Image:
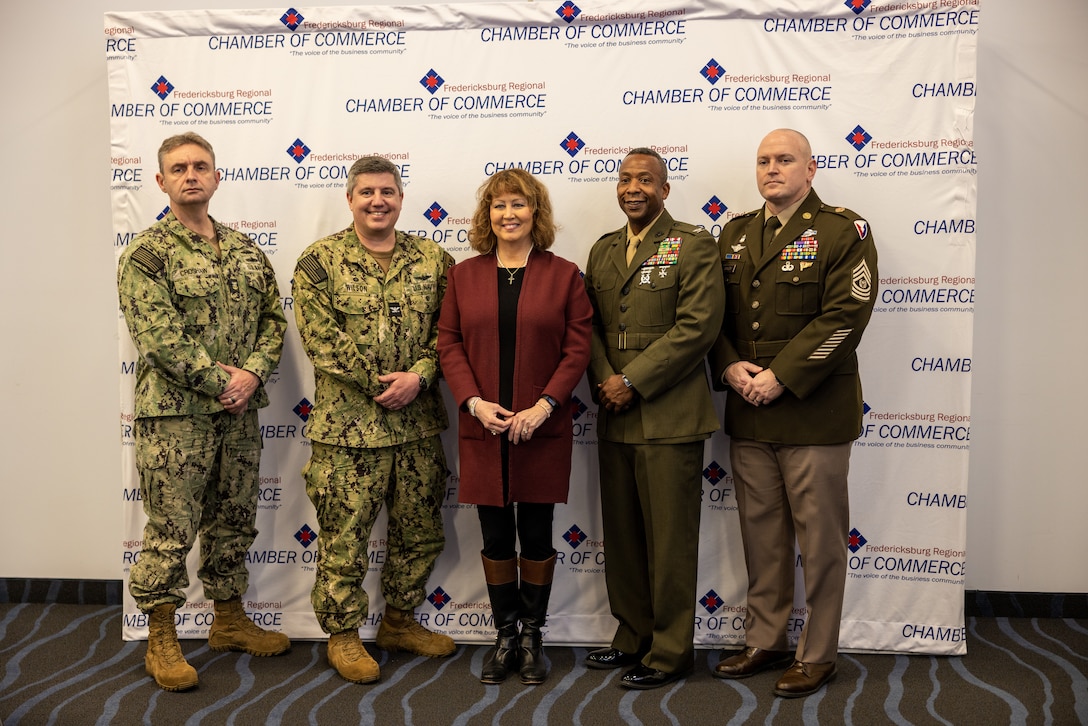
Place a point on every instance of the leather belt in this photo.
(624, 340)
(752, 349)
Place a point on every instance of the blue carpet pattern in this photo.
(66, 664)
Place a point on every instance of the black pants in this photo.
(527, 522)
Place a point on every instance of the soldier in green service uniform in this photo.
(800, 287)
(656, 289)
(367, 300)
(202, 306)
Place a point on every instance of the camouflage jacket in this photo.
(186, 309)
(358, 323)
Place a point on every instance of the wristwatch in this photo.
(626, 382)
(422, 383)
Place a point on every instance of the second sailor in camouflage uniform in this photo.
(201, 303)
(366, 301)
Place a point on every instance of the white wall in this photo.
(1026, 526)
(59, 369)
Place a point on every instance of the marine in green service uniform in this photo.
(656, 289)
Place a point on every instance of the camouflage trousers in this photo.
(199, 474)
(348, 486)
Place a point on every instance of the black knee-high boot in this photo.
(502, 589)
(536, 589)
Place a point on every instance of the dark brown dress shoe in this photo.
(804, 679)
(606, 658)
(751, 661)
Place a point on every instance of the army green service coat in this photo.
(799, 309)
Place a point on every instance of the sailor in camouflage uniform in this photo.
(797, 303)
(201, 303)
(367, 301)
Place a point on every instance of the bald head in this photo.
(784, 168)
(790, 136)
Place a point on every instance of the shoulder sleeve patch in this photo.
(313, 269)
(147, 261)
(862, 227)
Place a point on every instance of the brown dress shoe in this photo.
(751, 661)
(804, 679)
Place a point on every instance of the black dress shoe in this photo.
(606, 658)
(644, 678)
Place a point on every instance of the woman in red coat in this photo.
(513, 342)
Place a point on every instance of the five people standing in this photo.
(515, 328)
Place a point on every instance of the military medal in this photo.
(804, 247)
(668, 253)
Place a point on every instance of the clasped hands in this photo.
(614, 394)
(518, 426)
(402, 388)
(755, 384)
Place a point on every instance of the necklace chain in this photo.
(514, 271)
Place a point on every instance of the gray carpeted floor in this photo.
(67, 665)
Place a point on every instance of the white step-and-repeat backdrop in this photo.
(885, 91)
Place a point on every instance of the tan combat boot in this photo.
(400, 631)
(350, 659)
(164, 660)
(233, 630)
